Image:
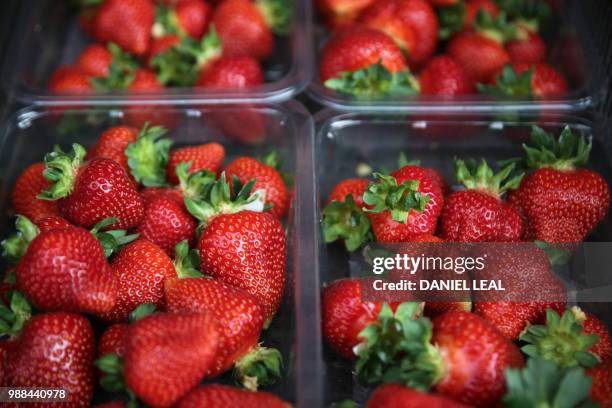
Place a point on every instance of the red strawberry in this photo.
(245, 27)
(463, 15)
(68, 79)
(241, 320)
(473, 7)
(222, 396)
(592, 325)
(531, 287)
(183, 344)
(187, 17)
(166, 223)
(562, 201)
(207, 156)
(267, 179)
(54, 350)
(539, 81)
(232, 73)
(90, 192)
(145, 80)
(398, 396)
(344, 315)
(161, 45)
(531, 50)
(601, 390)
(49, 223)
(126, 23)
(113, 340)
(141, 269)
(481, 57)
(478, 214)
(338, 13)
(417, 213)
(65, 269)
(151, 194)
(24, 196)
(258, 267)
(444, 76)
(355, 187)
(95, 60)
(415, 18)
(112, 144)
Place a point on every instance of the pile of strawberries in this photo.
(146, 268)
(477, 352)
(487, 46)
(146, 45)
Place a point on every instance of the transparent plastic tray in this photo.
(30, 133)
(48, 35)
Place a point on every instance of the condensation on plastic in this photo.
(344, 141)
(30, 133)
(48, 35)
(572, 50)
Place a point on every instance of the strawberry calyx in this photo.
(221, 198)
(181, 64)
(14, 247)
(397, 349)
(561, 341)
(480, 177)
(166, 22)
(450, 19)
(193, 185)
(14, 316)
(346, 221)
(148, 156)
(528, 14)
(186, 261)
(497, 28)
(260, 367)
(565, 154)
(121, 72)
(141, 311)
(61, 171)
(111, 240)
(542, 383)
(510, 83)
(375, 81)
(384, 194)
(277, 14)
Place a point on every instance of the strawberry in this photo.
(68, 79)
(95, 60)
(435, 357)
(241, 320)
(112, 144)
(183, 344)
(207, 156)
(601, 390)
(344, 315)
(15, 246)
(150, 194)
(49, 223)
(462, 14)
(398, 396)
(186, 18)
(246, 27)
(362, 61)
(339, 13)
(267, 179)
(113, 340)
(140, 269)
(478, 214)
(221, 396)
(544, 384)
(46, 273)
(531, 288)
(166, 223)
(232, 73)
(24, 196)
(404, 204)
(562, 201)
(524, 80)
(160, 46)
(127, 23)
(353, 186)
(444, 76)
(89, 192)
(481, 57)
(54, 350)
(417, 24)
(530, 50)
(573, 339)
